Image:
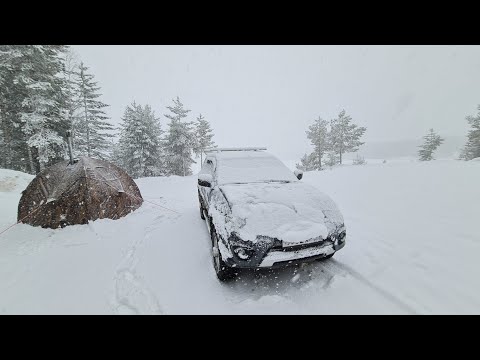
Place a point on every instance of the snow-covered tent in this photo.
(74, 193)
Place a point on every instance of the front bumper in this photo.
(280, 257)
(284, 258)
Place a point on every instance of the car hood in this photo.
(293, 212)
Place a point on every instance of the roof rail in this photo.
(235, 149)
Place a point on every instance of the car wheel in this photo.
(200, 204)
(326, 257)
(224, 272)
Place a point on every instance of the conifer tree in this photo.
(13, 65)
(179, 141)
(43, 107)
(344, 135)
(431, 142)
(307, 162)
(203, 136)
(472, 147)
(332, 158)
(318, 135)
(71, 91)
(139, 147)
(90, 128)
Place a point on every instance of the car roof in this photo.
(225, 155)
(248, 166)
(240, 155)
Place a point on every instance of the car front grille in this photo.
(302, 246)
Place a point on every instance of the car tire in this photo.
(200, 204)
(223, 271)
(326, 257)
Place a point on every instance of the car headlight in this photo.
(249, 251)
(242, 251)
(342, 235)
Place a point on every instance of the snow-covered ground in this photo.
(413, 242)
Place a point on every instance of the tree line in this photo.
(145, 149)
(332, 139)
(45, 91)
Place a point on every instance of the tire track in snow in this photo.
(335, 266)
(131, 295)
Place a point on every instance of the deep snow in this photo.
(412, 247)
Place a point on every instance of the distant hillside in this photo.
(450, 149)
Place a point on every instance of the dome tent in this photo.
(69, 193)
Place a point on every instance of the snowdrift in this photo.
(13, 181)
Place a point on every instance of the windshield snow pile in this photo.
(251, 166)
(293, 212)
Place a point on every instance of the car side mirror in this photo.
(205, 180)
(298, 174)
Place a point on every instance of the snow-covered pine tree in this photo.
(5, 55)
(318, 135)
(332, 158)
(139, 146)
(117, 155)
(71, 92)
(154, 159)
(33, 105)
(203, 137)
(179, 141)
(344, 135)
(472, 147)
(128, 153)
(307, 162)
(3, 146)
(43, 111)
(91, 130)
(13, 68)
(431, 142)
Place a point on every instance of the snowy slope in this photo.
(412, 247)
(13, 181)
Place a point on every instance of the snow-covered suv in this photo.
(259, 214)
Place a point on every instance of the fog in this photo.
(269, 95)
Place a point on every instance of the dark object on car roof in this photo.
(75, 192)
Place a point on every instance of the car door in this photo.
(208, 168)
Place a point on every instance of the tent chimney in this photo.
(70, 149)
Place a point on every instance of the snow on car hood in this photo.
(292, 212)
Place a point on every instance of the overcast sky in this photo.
(269, 95)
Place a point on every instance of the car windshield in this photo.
(250, 167)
